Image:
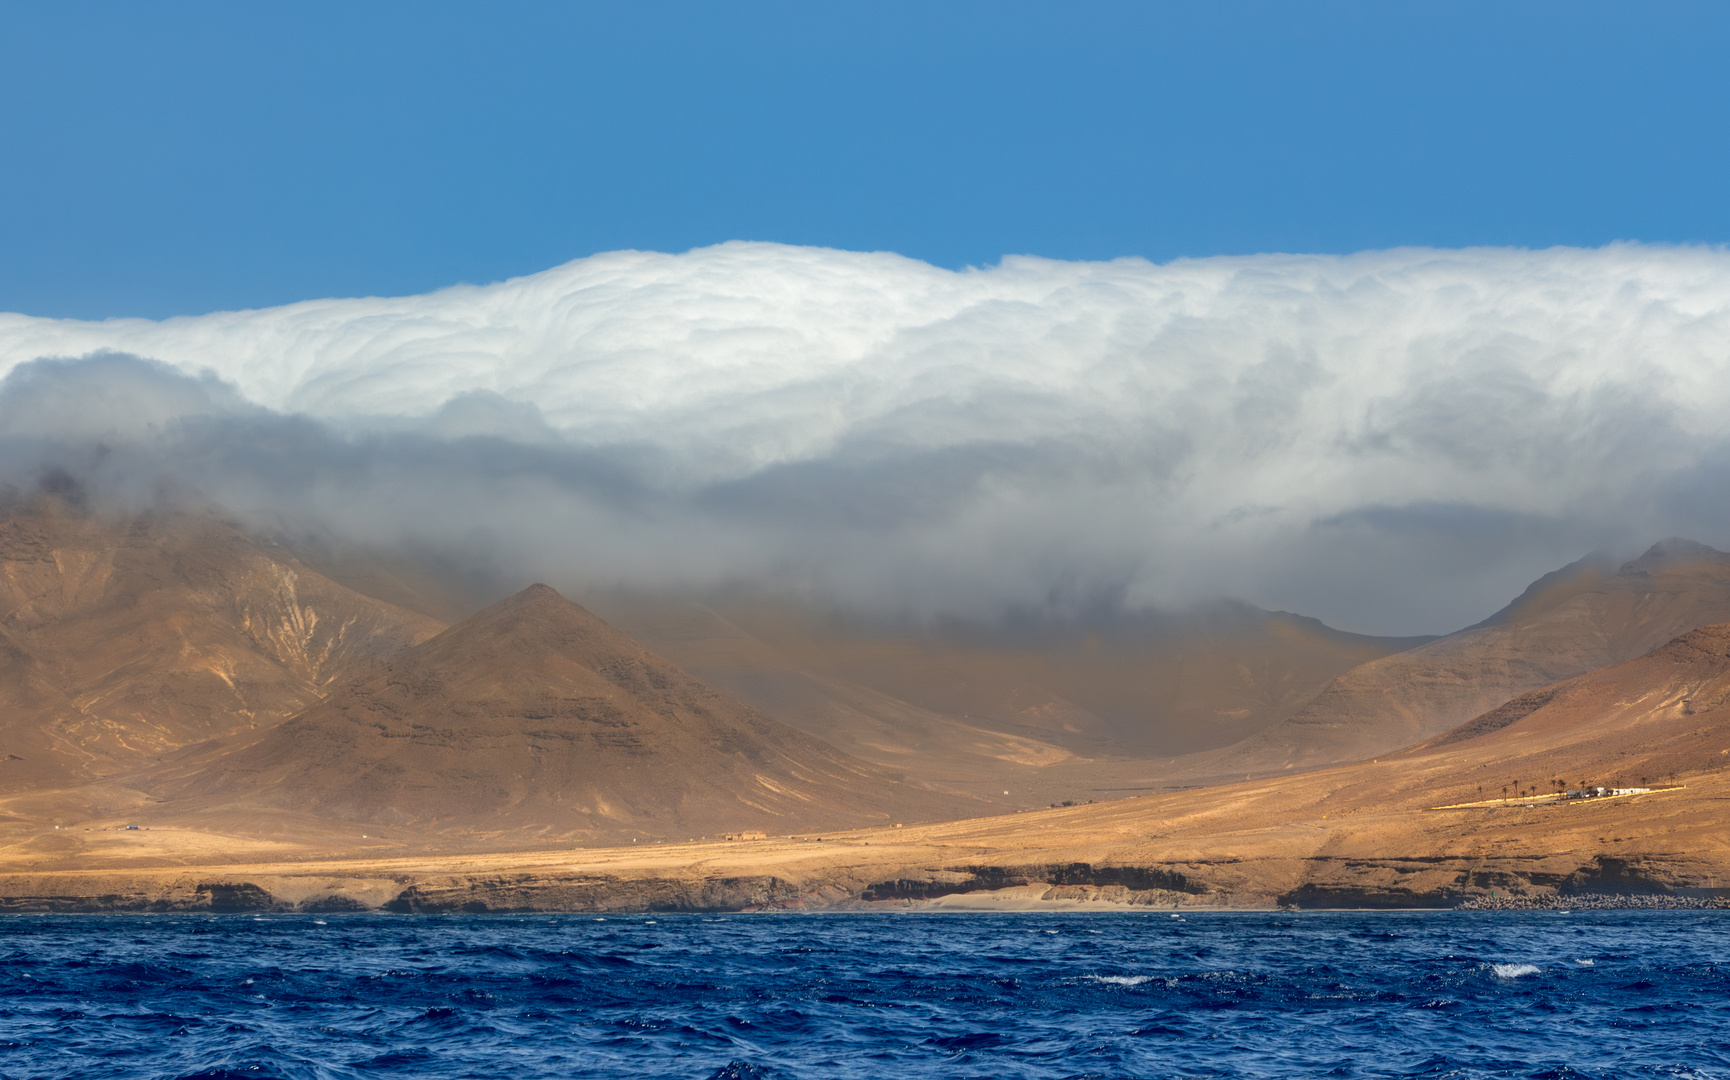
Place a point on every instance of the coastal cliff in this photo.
(1518, 882)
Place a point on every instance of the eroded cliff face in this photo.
(439, 894)
(1393, 883)
(125, 639)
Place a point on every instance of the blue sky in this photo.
(178, 158)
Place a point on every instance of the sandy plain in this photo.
(1343, 837)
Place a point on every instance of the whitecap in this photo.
(1121, 980)
(1586, 963)
(1513, 971)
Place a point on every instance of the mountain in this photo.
(1426, 826)
(535, 717)
(1585, 616)
(123, 638)
(1639, 723)
(978, 703)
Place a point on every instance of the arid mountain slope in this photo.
(1381, 833)
(963, 700)
(534, 716)
(861, 720)
(1578, 619)
(124, 639)
(1642, 722)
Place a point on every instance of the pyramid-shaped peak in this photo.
(535, 594)
(535, 601)
(536, 619)
(534, 713)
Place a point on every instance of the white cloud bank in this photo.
(1393, 441)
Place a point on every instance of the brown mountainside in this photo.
(1583, 617)
(1389, 832)
(123, 639)
(534, 716)
(976, 702)
(1638, 723)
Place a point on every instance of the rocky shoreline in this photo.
(1051, 887)
(1598, 902)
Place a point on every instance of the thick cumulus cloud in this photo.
(1393, 441)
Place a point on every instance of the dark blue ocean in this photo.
(1411, 994)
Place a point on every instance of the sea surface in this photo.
(1401, 994)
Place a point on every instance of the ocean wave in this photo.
(1121, 980)
(1514, 971)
